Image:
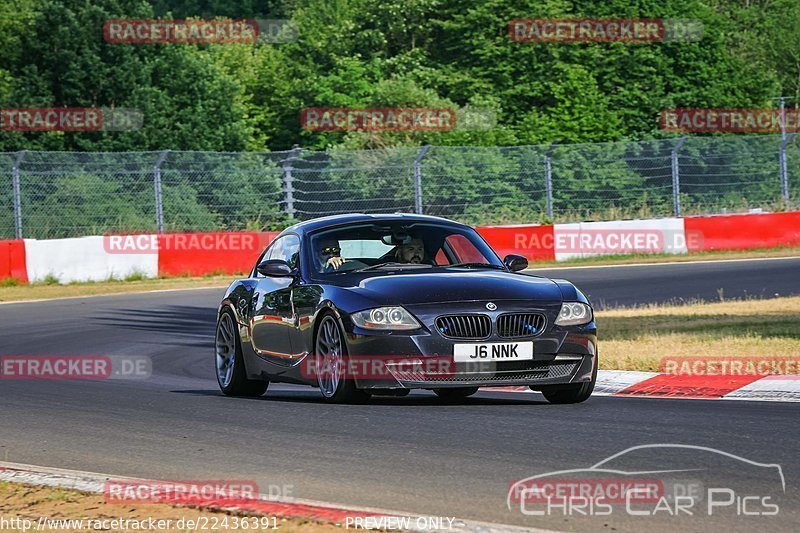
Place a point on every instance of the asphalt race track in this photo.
(681, 282)
(411, 454)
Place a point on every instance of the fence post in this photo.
(288, 180)
(16, 194)
(548, 181)
(784, 173)
(157, 187)
(676, 179)
(418, 179)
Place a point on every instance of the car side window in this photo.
(287, 248)
(462, 250)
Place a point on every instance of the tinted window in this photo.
(286, 248)
(461, 250)
(368, 245)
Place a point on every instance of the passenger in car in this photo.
(412, 252)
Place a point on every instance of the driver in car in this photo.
(330, 254)
(412, 252)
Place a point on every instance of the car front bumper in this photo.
(424, 359)
(562, 369)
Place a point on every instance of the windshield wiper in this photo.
(476, 265)
(391, 264)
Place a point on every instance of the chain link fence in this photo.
(65, 194)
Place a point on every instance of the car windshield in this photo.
(399, 246)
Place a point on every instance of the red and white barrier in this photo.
(744, 232)
(561, 242)
(589, 239)
(12, 260)
(532, 241)
(83, 259)
(196, 254)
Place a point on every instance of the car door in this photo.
(274, 316)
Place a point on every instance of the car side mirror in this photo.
(515, 263)
(275, 268)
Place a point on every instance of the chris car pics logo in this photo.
(676, 480)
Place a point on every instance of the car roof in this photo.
(336, 220)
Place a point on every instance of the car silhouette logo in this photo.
(491, 306)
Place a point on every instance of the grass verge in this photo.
(11, 292)
(32, 503)
(637, 338)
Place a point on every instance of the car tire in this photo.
(451, 395)
(229, 362)
(572, 393)
(330, 358)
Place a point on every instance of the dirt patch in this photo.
(56, 507)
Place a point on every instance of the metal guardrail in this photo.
(63, 194)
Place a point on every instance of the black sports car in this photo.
(380, 304)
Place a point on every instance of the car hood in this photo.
(419, 288)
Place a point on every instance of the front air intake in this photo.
(515, 325)
(464, 326)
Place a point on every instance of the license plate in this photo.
(493, 351)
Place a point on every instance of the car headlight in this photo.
(574, 314)
(385, 318)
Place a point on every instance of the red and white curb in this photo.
(777, 388)
(296, 508)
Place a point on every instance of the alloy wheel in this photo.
(225, 349)
(329, 358)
